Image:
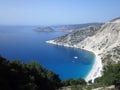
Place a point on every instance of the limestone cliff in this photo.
(102, 39)
(105, 41)
(76, 37)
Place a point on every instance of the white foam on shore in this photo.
(97, 68)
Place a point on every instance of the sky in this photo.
(57, 12)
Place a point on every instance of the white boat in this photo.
(75, 57)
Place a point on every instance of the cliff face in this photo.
(76, 37)
(102, 39)
(105, 41)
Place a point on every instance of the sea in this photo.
(25, 44)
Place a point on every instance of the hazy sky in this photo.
(54, 12)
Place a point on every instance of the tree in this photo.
(81, 81)
(111, 76)
(16, 75)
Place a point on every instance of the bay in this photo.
(25, 44)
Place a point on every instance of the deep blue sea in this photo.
(23, 43)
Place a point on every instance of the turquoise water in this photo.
(22, 42)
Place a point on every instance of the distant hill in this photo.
(70, 28)
(64, 28)
(44, 29)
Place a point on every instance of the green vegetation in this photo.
(32, 76)
(16, 75)
(71, 82)
(111, 76)
(113, 56)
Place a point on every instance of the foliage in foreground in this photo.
(16, 75)
(32, 76)
(71, 82)
(111, 76)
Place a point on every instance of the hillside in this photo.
(75, 37)
(105, 41)
(102, 39)
(70, 28)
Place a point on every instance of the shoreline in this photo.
(97, 68)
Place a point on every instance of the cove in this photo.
(23, 43)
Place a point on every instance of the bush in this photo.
(32, 76)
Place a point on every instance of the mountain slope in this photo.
(77, 36)
(70, 28)
(105, 40)
(102, 39)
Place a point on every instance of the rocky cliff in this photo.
(102, 39)
(76, 37)
(106, 41)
